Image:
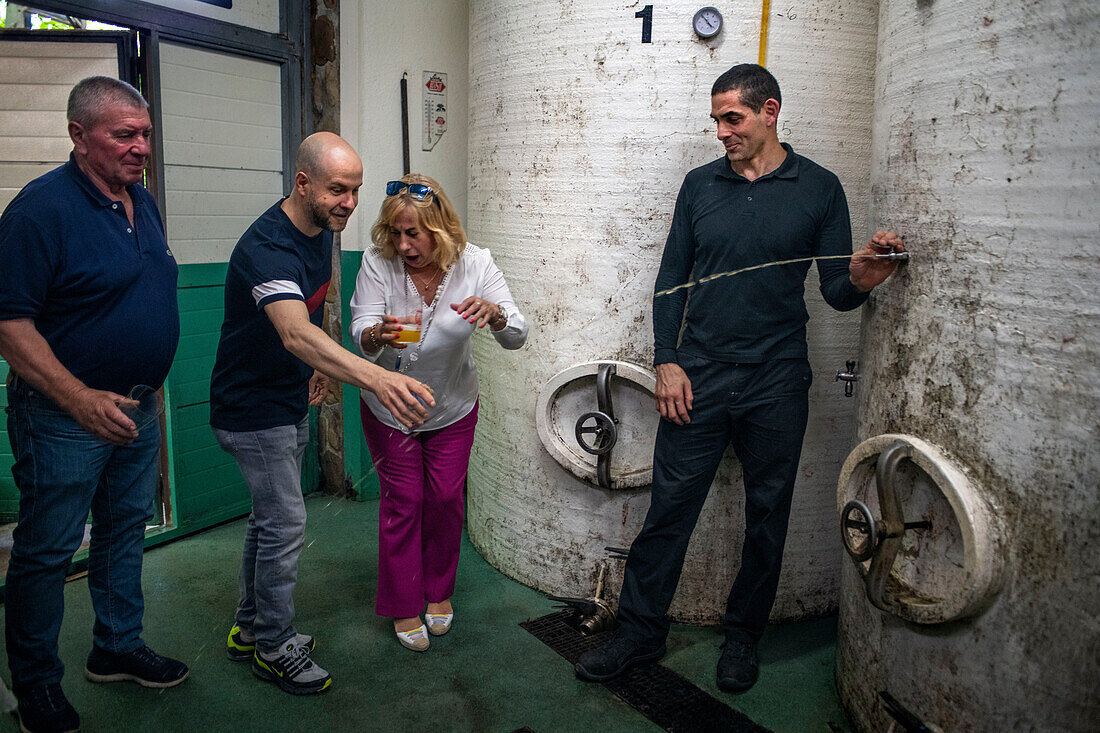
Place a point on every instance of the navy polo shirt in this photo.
(102, 292)
(258, 384)
(725, 222)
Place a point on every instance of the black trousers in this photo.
(761, 409)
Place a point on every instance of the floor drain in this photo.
(656, 692)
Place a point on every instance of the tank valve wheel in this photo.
(862, 533)
(603, 431)
(859, 530)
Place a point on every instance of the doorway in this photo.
(41, 56)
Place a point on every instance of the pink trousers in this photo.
(420, 514)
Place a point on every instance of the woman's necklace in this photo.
(426, 319)
(428, 284)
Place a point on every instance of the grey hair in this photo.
(90, 97)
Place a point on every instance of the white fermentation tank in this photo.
(580, 135)
(982, 360)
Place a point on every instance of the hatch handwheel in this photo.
(603, 429)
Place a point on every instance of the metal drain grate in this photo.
(656, 692)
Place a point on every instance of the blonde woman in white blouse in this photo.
(422, 262)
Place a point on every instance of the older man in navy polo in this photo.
(87, 312)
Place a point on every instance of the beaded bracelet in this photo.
(375, 343)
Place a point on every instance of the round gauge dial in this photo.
(707, 22)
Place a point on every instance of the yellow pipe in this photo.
(764, 32)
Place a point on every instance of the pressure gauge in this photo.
(707, 22)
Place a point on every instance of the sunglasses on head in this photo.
(416, 190)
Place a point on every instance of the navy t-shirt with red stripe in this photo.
(258, 384)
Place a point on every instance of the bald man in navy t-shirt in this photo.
(273, 362)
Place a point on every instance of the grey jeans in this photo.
(271, 462)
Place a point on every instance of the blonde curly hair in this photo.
(434, 213)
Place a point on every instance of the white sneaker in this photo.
(291, 669)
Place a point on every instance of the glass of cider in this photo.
(409, 315)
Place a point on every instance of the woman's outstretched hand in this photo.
(477, 310)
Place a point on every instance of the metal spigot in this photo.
(849, 377)
(602, 619)
(901, 256)
(591, 615)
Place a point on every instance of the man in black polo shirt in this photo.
(739, 373)
(87, 312)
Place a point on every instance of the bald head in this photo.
(321, 151)
(326, 184)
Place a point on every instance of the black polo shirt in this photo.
(724, 222)
(101, 291)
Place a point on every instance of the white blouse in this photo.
(444, 360)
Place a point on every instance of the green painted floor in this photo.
(488, 674)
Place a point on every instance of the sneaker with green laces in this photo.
(291, 669)
(242, 643)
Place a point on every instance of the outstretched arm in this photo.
(403, 396)
(866, 271)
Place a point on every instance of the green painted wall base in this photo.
(206, 486)
(9, 495)
(357, 460)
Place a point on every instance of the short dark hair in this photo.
(90, 96)
(754, 82)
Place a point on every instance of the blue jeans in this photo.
(271, 463)
(762, 410)
(62, 472)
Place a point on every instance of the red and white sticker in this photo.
(435, 107)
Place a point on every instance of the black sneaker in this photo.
(738, 667)
(241, 643)
(291, 669)
(44, 709)
(142, 665)
(614, 657)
